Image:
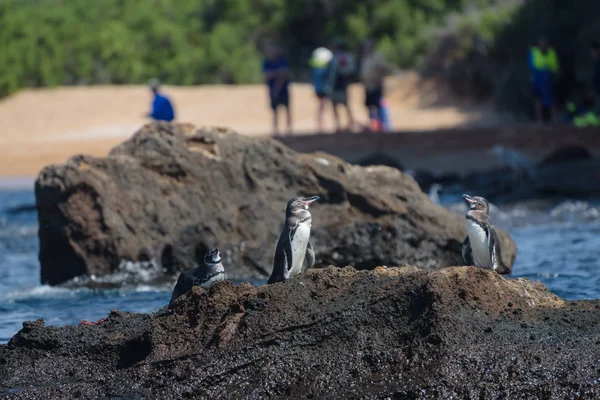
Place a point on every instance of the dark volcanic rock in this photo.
(328, 333)
(566, 154)
(172, 192)
(561, 179)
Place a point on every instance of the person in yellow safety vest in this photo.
(588, 119)
(543, 66)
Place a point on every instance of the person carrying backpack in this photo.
(341, 69)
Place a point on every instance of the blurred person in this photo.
(319, 62)
(595, 53)
(543, 66)
(162, 109)
(584, 114)
(276, 71)
(373, 70)
(384, 116)
(341, 68)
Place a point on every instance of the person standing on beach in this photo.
(319, 61)
(341, 68)
(162, 109)
(373, 69)
(543, 66)
(276, 70)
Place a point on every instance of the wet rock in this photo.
(566, 154)
(21, 209)
(328, 333)
(570, 179)
(171, 192)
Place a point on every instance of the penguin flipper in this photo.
(184, 284)
(496, 254)
(283, 260)
(309, 258)
(467, 252)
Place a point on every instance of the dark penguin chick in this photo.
(205, 275)
(481, 247)
(294, 252)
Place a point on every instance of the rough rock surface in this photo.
(566, 154)
(570, 179)
(171, 192)
(403, 333)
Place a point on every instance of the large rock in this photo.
(566, 179)
(332, 333)
(171, 192)
(566, 154)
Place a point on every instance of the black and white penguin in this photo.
(205, 275)
(294, 252)
(481, 247)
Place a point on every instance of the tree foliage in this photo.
(72, 42)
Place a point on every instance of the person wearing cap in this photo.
(543, 66)
(319, 61)
(276, 70)
(162, 109)
(340, 70)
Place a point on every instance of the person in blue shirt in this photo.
(162, 109)
(276, 70)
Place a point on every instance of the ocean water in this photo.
(558, 244)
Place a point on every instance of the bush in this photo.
(70, 42)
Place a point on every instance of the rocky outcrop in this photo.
(566, 172)
(566, 154)
(171, 192)
(328, 333)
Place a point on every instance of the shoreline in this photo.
(47, 126)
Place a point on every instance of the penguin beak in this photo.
(468, 198)
(309, 200)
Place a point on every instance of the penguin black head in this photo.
(477, 203)
(212, 257)
(299, 204)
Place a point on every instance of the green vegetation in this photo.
(71, 42)
(483, 53)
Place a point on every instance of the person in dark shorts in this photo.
(340, 70)
(319, 61)
(276, 70)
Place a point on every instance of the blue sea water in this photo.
(558, 244)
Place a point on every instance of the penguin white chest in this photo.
(479, 245)
(207, 284)
(299, 243)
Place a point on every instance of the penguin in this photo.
(519, 164)
(205, 275)
(434, 193)
(294, 253)
(481, 247)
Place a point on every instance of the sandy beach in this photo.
(46, 126)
